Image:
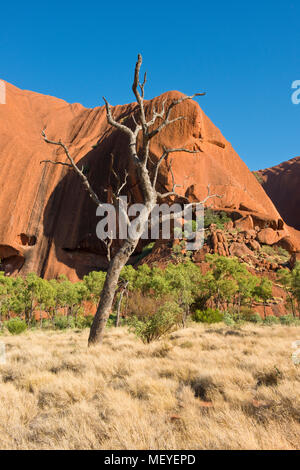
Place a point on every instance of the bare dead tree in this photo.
(147, 183)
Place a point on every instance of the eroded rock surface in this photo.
(281, 183)
(48, 222)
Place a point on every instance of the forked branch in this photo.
(73, 165)
(165, 154)
(166, 120)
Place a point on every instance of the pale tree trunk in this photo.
(120, 303)
(117, 264)
(108, 292)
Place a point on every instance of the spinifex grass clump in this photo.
(16, 326)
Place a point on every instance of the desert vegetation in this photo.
(201, 387)
(191, 364)
(151, 301)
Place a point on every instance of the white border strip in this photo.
(2, 92)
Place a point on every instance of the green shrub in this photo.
(288, 320)
(61, 322)
(253, 318)
(271, 320)
(268, 250)
(153, 327)
(228, 319)
(16, 326)
(258, 177)
(84, 321)
(145, 251)
(46, 323)
(208, 316)
(217, 218)
(283, 253)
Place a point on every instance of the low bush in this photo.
(61, 322)
(208, 316)
(16, 326)
(268, 250)
(84, 321)
(271, 320)
(152, 327)
(284, 254)
(228, 319)
(252, 317)
(217, 218)
(288, 320)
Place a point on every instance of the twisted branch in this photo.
(161, 159)
(73, 165)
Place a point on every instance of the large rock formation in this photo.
(48, 222)
(281, 183)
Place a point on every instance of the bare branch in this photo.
(142, 85)
(72, 164)
(124, 183)
(56, 163)
(174, 185)
(116, 196)
(108, 244)
(156, 115)
(120, 185)
(181, 150)
(115, 123)
(165, 155)
(166, 120)
(134, 120)
(210, 196)
(135, 85)
(181, 213)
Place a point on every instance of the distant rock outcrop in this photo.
(282, 183)
(48, 222)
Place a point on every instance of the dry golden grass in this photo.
(204, 387)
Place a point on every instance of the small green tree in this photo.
(94, 282)
(263, 292)
(290, 281)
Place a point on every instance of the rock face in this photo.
(281, 183)
(48, 222)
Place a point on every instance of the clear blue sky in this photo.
(245, 55)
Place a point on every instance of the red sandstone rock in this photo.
(294, 259)
(229, 225)
(281, 183)
(268, 236)
(48, 222)
(287, 244)
(240, 250)
(245, 223)
(249, 234)
(254, 245)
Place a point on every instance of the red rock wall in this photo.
(48, 222)
(282, 184)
